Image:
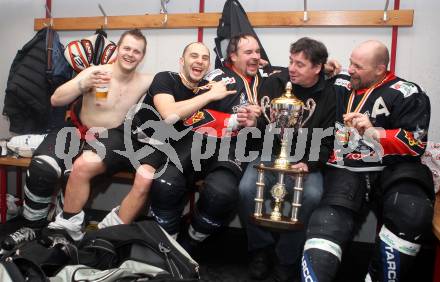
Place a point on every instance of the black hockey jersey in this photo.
(247, 88)
(399, 107)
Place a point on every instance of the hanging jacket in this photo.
(37, 70)
(234, 21)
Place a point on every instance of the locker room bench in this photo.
(18, 164)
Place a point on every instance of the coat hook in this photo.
(164, 10)
(105, 15)
(305, 15)
(385, 11)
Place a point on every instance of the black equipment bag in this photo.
(140, 251)
(143, 241)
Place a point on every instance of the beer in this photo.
(102, 89)
(101, 92)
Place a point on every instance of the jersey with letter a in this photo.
(399, 107)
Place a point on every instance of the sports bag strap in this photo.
(99, 253)
(49, 49)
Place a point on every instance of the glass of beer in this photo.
(102, 90)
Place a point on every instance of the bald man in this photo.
(381, 133)
(221, 171)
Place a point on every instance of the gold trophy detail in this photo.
(284, 112)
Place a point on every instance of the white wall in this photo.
(417, 57)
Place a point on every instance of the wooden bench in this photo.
(18, 164)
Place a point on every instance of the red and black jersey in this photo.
(247, 89)
(401, 108)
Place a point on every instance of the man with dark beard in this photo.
(381, 132)
(221, 173)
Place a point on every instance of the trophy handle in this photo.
(265, 104)
(310, 106)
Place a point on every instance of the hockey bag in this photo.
(144, 242)
(140, 251)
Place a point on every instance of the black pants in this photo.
(404, 206)
(216, 206)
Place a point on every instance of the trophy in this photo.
(285, 112)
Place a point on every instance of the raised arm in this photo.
(167, 106)
(83, 83)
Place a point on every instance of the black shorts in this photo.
(347, 188)
(107, 148)
(63, 145)
(154, 157)
(228, 161)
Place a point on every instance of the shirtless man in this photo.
(105, 116)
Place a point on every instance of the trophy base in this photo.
(284, 224)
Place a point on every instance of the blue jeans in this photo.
(290, 244)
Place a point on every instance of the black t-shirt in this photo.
(212, 116)
(167, 83)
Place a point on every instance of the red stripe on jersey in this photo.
(401, 142)
(216, 126)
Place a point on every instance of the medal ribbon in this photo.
(194, 89)
(251, 94)
(366, 94)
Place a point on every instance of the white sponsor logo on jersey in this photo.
(263, 73)
(407, 88)
(228, 80)
(213, 74)
(343, 82)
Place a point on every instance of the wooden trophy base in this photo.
(284, 223)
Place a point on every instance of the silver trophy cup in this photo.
(285, 112)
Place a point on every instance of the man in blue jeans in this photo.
(306, 72)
